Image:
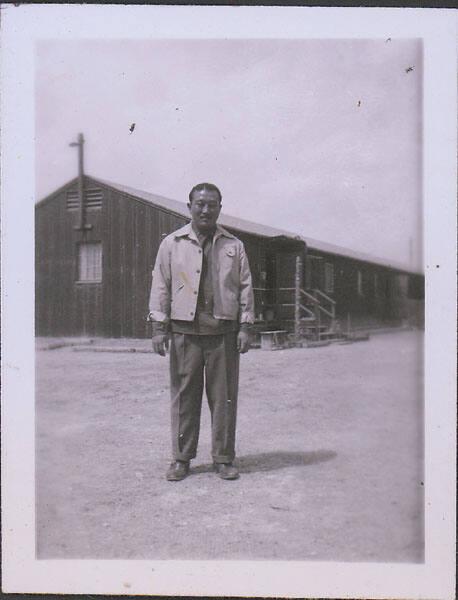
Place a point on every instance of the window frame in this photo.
(79, 246)
(359, 282)
(329, 277)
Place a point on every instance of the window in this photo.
(90, 262)
(328, 278)
(360, 283)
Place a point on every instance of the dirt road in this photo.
(329, 447)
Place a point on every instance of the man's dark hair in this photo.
(209, 187)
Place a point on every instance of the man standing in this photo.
(202, 298)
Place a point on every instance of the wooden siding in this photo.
(384, 292)
(64, 306)
(132, 237)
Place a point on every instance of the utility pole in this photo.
(79, 144)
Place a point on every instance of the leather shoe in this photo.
(177, 471)
(226, 471)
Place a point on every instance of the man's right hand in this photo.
(160, 344)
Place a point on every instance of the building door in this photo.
(270, 299)
(314, 275)
(388, 299)
(285, 281)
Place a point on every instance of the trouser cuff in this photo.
(223, 459)
(183, 457)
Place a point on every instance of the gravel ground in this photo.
(330, 449)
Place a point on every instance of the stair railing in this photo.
(332, 312)
(310, 297)
(305, 303)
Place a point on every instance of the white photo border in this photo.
(22, 27)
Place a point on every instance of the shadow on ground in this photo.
(271, 461)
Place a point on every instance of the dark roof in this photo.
(243, 225)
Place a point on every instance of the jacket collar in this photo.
(188, 231)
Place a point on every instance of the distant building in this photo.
(93, 268)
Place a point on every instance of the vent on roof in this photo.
(92, 199)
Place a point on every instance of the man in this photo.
(202, 297)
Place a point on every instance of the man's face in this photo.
(204, 208)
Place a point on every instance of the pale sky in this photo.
(318, 137)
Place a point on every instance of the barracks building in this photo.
(96, 243)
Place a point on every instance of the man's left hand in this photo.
(243, 342)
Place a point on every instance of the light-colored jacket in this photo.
(176, 278)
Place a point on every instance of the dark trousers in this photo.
(192, 356)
